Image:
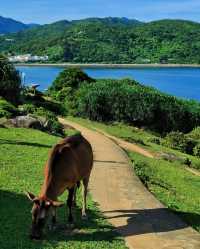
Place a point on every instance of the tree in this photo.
(66, 84)
(70, 77)
(10, 81)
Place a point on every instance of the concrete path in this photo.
(127, 145)
(143, 221)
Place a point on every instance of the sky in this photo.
(48, 11)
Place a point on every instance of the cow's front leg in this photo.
(70, 204)
(52, 226)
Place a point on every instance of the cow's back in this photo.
(73, 162)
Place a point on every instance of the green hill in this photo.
(110, 40)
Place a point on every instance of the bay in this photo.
(180, 82)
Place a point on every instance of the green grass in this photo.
(139, 136)
(22, 156)
(174, 186)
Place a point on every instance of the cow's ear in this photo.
(30, 196)
(57, 203)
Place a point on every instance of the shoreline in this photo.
(99, 65)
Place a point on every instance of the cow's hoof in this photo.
(84, 217)
(70, 225)
(52, 227)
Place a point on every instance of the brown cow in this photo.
(70, 161)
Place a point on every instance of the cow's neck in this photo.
(49, 191)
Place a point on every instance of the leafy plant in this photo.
(10, 82)
(178, 140)
(7, 109)
(196, 150)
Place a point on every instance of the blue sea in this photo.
(181, 82)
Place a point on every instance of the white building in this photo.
(27, 58)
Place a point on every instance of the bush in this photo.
(39, 101)
(195, 133)
(27, 108)
(7, 109)
(52, 123)
(178, 140)
(10, 82)
(70, 78)
(196, 150)
(130, 102)
(143, 171)
(66, 84)
(155, 140)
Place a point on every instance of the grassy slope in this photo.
(169, 181)
(23, 154)
(177, 188)
(138, 136)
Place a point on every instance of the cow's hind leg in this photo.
(70, 204)
(75, 191)
(84, 196)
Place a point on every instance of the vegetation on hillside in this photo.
(110, 40)
(157, 145)
(128, 101)
(66, 85)
(172, 185)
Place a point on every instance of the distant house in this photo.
(27, 58)
(145, 60)
(9, 40)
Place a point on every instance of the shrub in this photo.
(195, 133)
(27, 108)
(187, 162)
(50, 105)
(178, 140)
(70, 77)
(52, 123)
(143, 171)
(10, 82)
(66, 84)
(196, 150)
(119, 100)
(155, 140)
(7, 109)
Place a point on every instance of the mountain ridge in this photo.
(110, 40)
(9, 25)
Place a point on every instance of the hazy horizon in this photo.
(35, 22)
(48, 11)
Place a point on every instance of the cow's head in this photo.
(40, 210)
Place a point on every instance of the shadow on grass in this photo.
(17, 142)
(151, 220)
(16, 221)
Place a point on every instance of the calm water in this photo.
(181, 82)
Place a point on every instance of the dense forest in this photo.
(110, 40)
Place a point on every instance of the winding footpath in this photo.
(134, 212)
